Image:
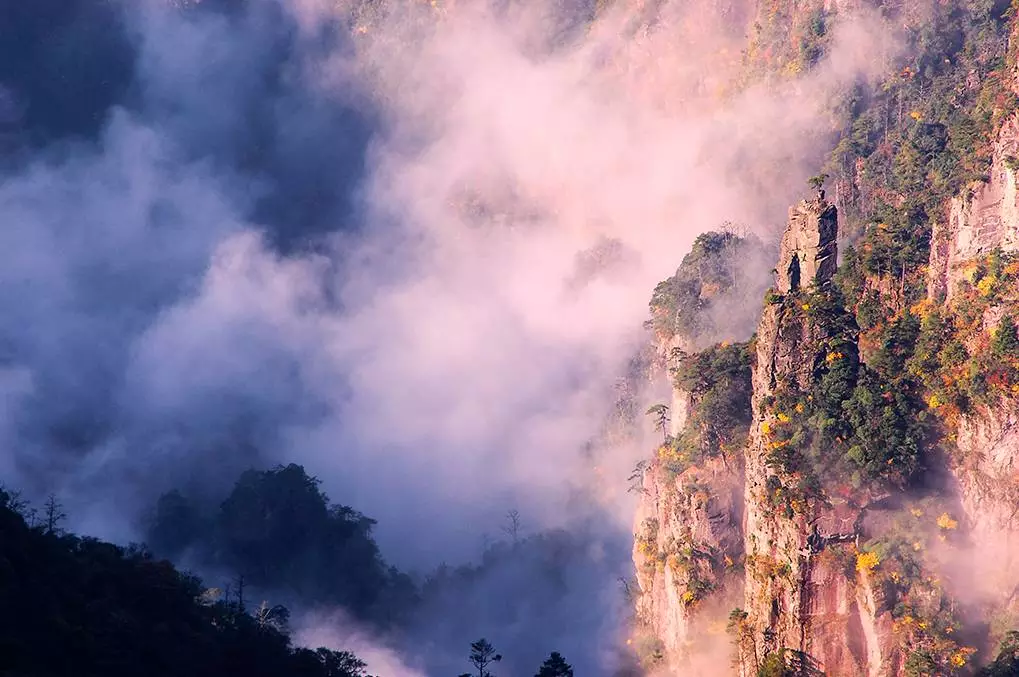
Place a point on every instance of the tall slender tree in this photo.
(482, 656)
(661, 416)
(512, 527)
(54, 515)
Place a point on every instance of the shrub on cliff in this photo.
(707, 298)
(719, 379)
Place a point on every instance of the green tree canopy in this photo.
(555, 666)
(79, 607)
(279, 531)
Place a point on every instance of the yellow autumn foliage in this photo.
(985, 285)
(783, 418)
(946, 522)
(959, 658)
(922, 307)
(866, 561)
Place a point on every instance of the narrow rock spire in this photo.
(808, 255)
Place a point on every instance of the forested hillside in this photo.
(80, 607)
(83, 607)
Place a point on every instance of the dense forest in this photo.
(79, 606)
(83, 607)
(280, 535)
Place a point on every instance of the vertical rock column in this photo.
(796, 594)
(808, 255)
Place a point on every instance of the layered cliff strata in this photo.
(826, 530)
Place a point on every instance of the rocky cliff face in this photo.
(688, 536)
(737, 531)
(984, 217)
(870, 510)
(688, 541)
(838, 577)
(987, 473)
(799, 592)
(836, 567)
(984, 441)
(808, 255)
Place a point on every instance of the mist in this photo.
(371, 240)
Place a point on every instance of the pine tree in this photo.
(1006, 339)
(555, 666)
(661, 414)
(482, 656)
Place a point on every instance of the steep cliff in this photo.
(689, 542)
(802, 591)
(985, 217)
(975, 269)
(686, 550)
(753, 518)
(874, 529)
(794, 524)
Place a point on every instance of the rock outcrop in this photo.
(985, 217)
(808, 255)
(689, 540)
(797, 593)
(988, 480)
(803, 593)
(874, 531)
